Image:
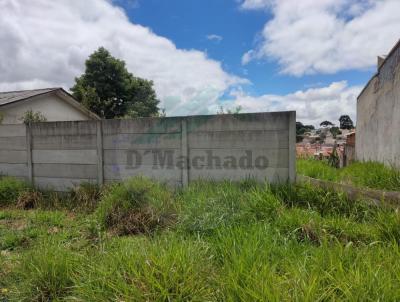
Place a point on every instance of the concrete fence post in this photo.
(100, 162)
(292, 147)
(184, 153)
(29, 152)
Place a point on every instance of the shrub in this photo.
(29, 199)
(10, 190)
(86, 197)
(136, 206)
(206, 206)
(165, 268)
(47, 273)
(326, 202)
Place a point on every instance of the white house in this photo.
(55, 104)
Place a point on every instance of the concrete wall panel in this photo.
(64, 128)
(13, 143)
(60, 155)
(142, 125)
(120, 172)
(18, 170)
(56, 142)
(12, 130)
(142, 141)
(135, 157)
(239, 139)
(13, 157)
(64, 156)
(65, 171)
(236, 122)
(378, 115)
(275, 158)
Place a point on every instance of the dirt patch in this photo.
(15, 224)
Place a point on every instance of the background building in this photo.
(55, 104)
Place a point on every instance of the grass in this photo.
(223, 242)
(361, 174)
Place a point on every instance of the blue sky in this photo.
(188, 23)
(262, 55)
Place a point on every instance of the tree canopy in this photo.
(109, 90)
(326, 124)
(335, 131)
(346, 122)
(301, 129)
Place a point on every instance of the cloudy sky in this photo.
(264, 55)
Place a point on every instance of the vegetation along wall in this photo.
(174, 150)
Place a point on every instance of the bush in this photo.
(10, 190)
(29, 200)
(86, 197)
(47, 273)
(165, 268)
(205, 206)
(137, 206)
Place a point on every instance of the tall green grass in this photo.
(225, 242)
(10, 190)
(362, 174)
(137, 206)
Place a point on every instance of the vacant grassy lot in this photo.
(138, 241)
(367, 174)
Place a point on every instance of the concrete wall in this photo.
(174, 150)
(50, 105)
(378, 115)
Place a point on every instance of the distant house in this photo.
(378, 113)
(55, 104)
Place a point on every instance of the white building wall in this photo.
(51, 106)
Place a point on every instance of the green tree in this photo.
(326, 124)
(109, 90)
(301, 129)
(346, 122)
(335, 131)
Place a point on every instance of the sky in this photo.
(262, 55)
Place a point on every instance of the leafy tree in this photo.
(301, 129)
(326, 124)
(335, 131)
(236, 110)
(346, 122)
(33, 117)
(109, 90)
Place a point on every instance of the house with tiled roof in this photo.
(54, 104)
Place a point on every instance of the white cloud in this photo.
(214, 37)
(326, 36)
(255, 4)
(45, 43)
(312, 105)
